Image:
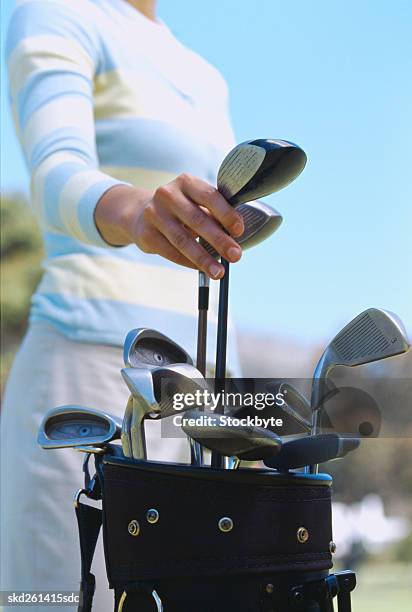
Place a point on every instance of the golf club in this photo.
(302, 451)
(75, 426)
(141, 403)
(145, 347)
(126, 434)
(148, 347)
(153, 392)
(295, 403)
(260, 221)
(215, 432)
(252, 170)
(373, 335)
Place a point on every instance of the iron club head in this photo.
(295, 403)
(141, 403)
(146, 347)
(373, 335)
(152, 391)
(74, 426)
(215, 432)
(306, 450)
(126, 429)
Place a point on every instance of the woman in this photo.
(123, 129)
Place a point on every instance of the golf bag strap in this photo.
(89, 521)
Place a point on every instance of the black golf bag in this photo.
(184, 539)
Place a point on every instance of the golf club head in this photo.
(146, 347)
(257, 168)
(74, 426)
(153, 390)
(295, 403)
(140, 384)
(352, 412)
(244, 442)
(126, 429)
(373, 335)
(260, 222)
(178, 378)
(300, 452)
(141, 404)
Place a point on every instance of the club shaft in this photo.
(315, 401)
(314, 468)
(218, 460)
(196, 450)
(221, 347)
(203, 306)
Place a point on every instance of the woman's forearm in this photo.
(116, 213)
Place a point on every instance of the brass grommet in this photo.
(302, 535)
(332, 547)
(152, 516)
(133, 528)
(225, 524)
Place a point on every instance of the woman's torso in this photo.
(159, 110)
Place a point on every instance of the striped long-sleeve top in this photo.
(102, 95)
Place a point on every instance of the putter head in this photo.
(257, 168)
(75, 426)
(307, 450)
(244, 442)
(373, 335)
(146, 347)
(260, 221)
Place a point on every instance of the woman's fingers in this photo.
(157, 244)
(186, 244)
(205, 195)
(177, 214)
(196, 219)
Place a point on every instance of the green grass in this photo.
(383, 588)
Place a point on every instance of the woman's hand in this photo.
(168, 221)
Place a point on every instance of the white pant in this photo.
(39, 541)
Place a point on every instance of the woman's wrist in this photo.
(117, 211)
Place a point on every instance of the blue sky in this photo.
(335, 77)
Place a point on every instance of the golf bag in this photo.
(184, 539)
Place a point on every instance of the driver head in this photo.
(257, 168)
